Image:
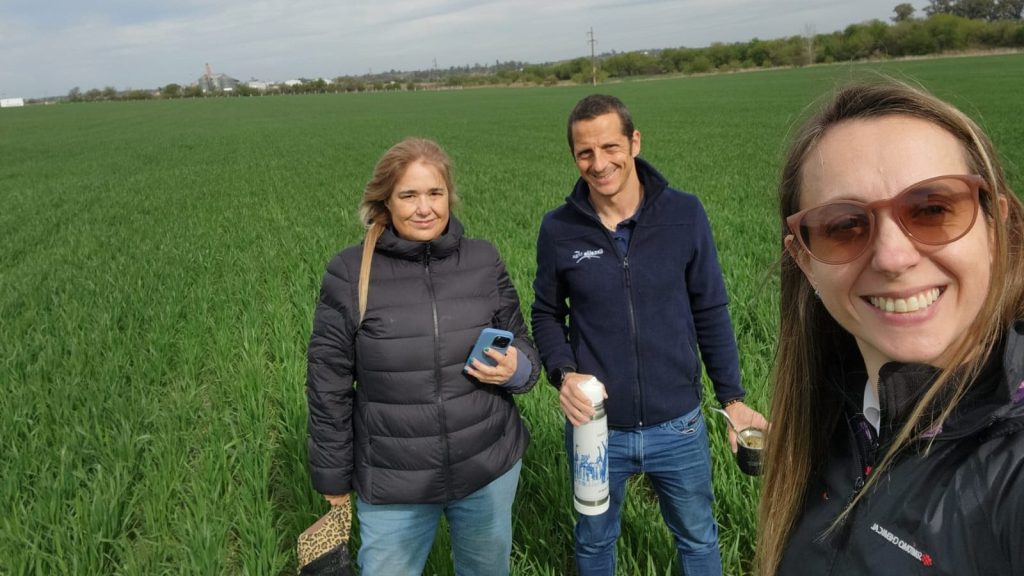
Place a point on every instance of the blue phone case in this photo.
(495, 338)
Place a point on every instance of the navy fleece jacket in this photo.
(640, 323)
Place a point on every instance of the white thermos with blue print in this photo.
(590, 455)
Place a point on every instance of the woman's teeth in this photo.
(910, 304)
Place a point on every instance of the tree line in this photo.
(990, 10)
(943, 30)
(947, 26)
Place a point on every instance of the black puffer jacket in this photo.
(959, 509)
(391, 412)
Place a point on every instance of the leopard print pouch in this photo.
(326, 534)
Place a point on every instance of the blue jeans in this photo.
(676, 457)
(395, 539)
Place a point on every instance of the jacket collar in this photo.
(652, 181)
(999, 389)
(441, 247)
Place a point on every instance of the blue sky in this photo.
(48, 47)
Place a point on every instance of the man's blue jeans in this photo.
(396, 538)
(676, 458)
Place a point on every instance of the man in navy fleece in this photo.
(628, 288)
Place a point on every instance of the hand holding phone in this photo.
(493, 338)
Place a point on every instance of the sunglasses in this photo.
(935, 211)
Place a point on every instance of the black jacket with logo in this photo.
(391, 412)
(957, 509)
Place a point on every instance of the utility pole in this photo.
(593, 62)
(809, 39)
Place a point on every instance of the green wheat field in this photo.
(159, 264)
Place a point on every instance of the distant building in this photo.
(258, 85)
(12, 102)
(210, 82)
(217, 83)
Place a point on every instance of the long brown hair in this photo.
(813, 349)
(373, 210)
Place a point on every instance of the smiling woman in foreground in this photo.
(897, 440)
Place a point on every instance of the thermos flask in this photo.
(590, 455)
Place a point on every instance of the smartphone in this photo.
(494, 338)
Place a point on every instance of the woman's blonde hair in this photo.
(813, 350)
(373, 210)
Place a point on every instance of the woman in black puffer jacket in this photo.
(393, 412)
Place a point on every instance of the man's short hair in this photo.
(598, 105)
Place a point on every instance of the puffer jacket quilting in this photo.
(391, 412)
